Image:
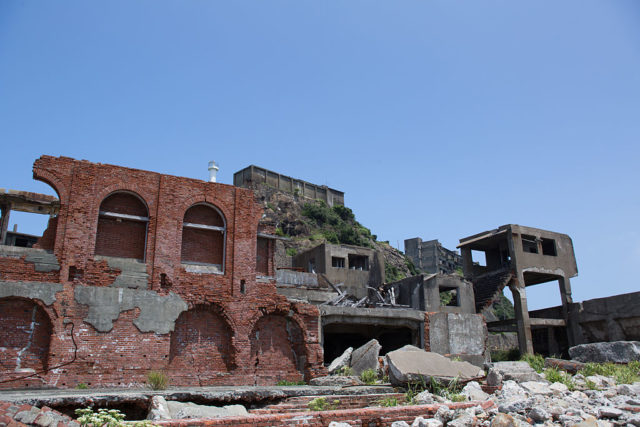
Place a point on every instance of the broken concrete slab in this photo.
(601, 352)
(160, 408)
(473, 391)
(43, 291)
(340, 362)
(516, 371)
(336, 381)
(409, 366)
(365, 357)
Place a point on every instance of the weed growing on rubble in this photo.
(285, 382)
(623, 374)
(345, 371)
(556, 375)
(87, 417)
(157, 380)
(322, 404)
(82, 386)
(536, 361)
(369, 376)
(388, 402)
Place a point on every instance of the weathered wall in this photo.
(112, 320)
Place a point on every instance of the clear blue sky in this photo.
(438, 119)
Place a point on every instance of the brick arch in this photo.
(122, 236)
(204, 232)
(54, 182)
(25, 335)
(202, 341)
(277, 349)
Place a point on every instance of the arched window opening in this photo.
(122, 227)
(203, 237)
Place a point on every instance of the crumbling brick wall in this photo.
(197, 325)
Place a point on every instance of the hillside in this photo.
(309, 223)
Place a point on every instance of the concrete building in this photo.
(254, 175)
(140, 271)
(431, 256)
(355, 267)
(517, 257)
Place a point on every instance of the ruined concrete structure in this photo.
(431, 256)
(140, 271)
(254, 175)
(517, 257)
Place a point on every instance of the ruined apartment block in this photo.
(517, 257)
(432, 257)
(140, 271)
(252, 175)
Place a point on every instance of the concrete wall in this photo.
(253, 175)
(129, 316)
(423, 293)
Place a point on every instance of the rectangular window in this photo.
(358, 262)
(529, 244)
(549, 247)
(449, 297)
(337, 262)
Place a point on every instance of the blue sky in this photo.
(438, 119)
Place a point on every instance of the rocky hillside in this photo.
(309, 223)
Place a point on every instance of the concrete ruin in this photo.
(140, 271)
(431, 257)
(514, 256)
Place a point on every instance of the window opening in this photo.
(449, 297)
(529, 244)
(203, 237)
(479, 258)
(358, 262)
(262, 256)
(337, 262)
(122, 226)
(549, 247)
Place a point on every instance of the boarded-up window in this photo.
(203, 236)
(122, 226)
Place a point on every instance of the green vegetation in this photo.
(345, 371)
(321, 404)
(556, 375)
(271, 206)
(388, 402)
(505, 355)
(82, 386)
(536, 361)
(449, 391)
(280, 232)
(623, 374)
(369, 376)
(285, 382)
(292, 251)
(337, 224)
(446, 297)
(503, 309)
(459, 272)
(157, 380)
(391, 273)
(106, 418)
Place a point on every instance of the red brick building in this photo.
(140, 271)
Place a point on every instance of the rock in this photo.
(340, 362)
(504, 420)
(600, 352)
(182, 410)
(337, 424)
(407, 366)
(158, 410)
(512, 390)
(473, 391)
(399, 424)
(558, 388)
(601, 381)
(516, 371)
(538, 415)
(535, 387)
(626, 390)
(336, 381)
(443, 414)
(494, 378)
(634, 420)
(428, 422)
(587, 422)
(465, 420)
(609, 412)
(365, 357)
(424, 398)
(571, 366)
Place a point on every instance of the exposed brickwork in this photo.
(12, 415)
(216, 341)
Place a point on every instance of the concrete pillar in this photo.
(523, 325)
(4, 222)
(467, 262)
(573, 329)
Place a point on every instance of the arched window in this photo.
(122, 226)
(203, 237)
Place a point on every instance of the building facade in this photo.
(432, 257)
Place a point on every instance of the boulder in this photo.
(410, 366)
(183, 410)
(535, 387)
(365, 357)
(426, 422)
(473, 391)
(158, 410)
(601, 352)
(424, 398)
(340, 362)
(516, 371)
(504, 420)
(336, 381)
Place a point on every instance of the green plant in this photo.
(280, 232)
(415, 388)
(556, 375)
(369, 376)
(285, 382)
(505, 355)
(82, 386)
(292, 251)
(157, 380)
(457, 397)
(591, 385)
(388, 401)
(321, 404)
(623, 374)
(271, 206)
(345, 371)
(536, 361)
(103, 417)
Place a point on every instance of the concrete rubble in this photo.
(601, 352)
